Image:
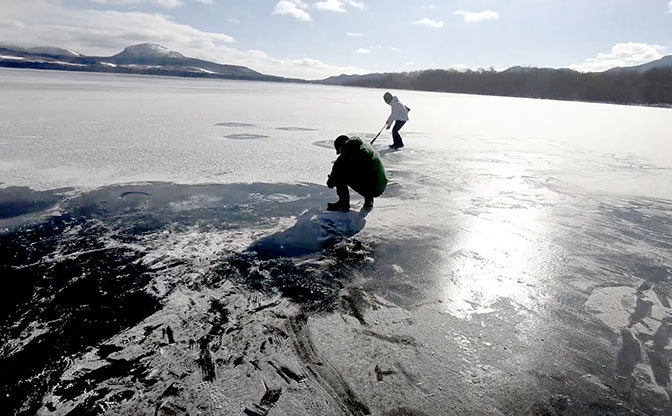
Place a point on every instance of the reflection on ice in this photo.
(497, 258)
(501, 249)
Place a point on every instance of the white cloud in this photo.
(669, 5)
(622, 54)
(168, 4)
(475, 17)
(430, 7)
(331, 5)
(362, 51)
(353, 35)
(430, 23)
(294, 8)
(339, 5)
(105, 33)
(356, 4)
(234, 21)
(395, 49)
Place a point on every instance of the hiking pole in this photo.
(381, 130)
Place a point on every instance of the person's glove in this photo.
(329, 183)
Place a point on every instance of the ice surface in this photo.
(518, 262)
(102, 129)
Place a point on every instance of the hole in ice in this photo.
(295, 129)
(245, 136)
(235, 124)
(135, 193)
(327, 144)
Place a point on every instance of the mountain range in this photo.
(649, 84)
(146, 58)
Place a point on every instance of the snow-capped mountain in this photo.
(152, 55)
(146, 58)
(44, 51)
(662, 63)
(147, 51)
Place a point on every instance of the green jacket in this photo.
(359, 167)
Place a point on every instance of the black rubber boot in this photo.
(368, 203)
(343, 203)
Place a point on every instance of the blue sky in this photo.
(317, 38)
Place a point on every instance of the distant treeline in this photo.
(653, 87)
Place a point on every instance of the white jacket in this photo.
(399, 111)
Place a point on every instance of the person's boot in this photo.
(368, 203)
(338, 206)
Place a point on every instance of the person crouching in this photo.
(359, 167)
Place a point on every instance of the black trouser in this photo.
(344, 194)
(395, 132)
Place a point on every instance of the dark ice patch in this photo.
(21, 200)
(80, 276)
(235, 124)
(155, 204)
(295, 129)
(311, 233)
(303, 283)
(245, 136)
(205, 361)
(85, 295)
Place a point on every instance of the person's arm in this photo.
(390, 120)
(334, 177)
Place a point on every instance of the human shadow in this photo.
(314, 230)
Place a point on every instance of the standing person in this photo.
(359, 167)
(399, 116)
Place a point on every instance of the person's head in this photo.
(339, 142)
(387, 97)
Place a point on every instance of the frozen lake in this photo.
(88, 130)
(166, 251)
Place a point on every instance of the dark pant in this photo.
(344, 194)
(395, 132)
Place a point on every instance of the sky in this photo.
(314, 39)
